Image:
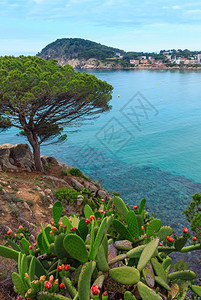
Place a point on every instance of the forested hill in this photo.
(69, 48)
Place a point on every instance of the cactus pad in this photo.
(85, 281)
(154, 225)
(122, 230)
(148, 274)
(132, 224)
(129, 296)
(120, 205)
(146, 293)
(57, 211)
(183, 275)
(8, 253)
(75, 246)
(180, 243)
(59, 249)
(164, 284)
(142, 205)
(164, 232)
(196, 289)
(158, 269)
(125, 275)
(135, 252)
(88, 211)
(147, 253)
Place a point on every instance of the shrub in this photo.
(76, 172)
(67, 194)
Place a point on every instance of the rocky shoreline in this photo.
(95, 64)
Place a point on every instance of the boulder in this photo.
(102, 194)
(14, 156)
(77, 185)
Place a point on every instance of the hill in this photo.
(71, 48)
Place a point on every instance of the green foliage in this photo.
(147, 253)
(120, 205)
(180, 265)
(125, 275)
(196, 289)
(154, 226)
(84, 281)
(8, 253)
(180, 243)
(76, 172)
(129, 296)
(183, 275)
(57, 211)
(158, 269)
(193, 215)
(146, 293)
(75, 246)
(132, 224)
(122, 230)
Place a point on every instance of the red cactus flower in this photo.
(62, 285)
(19, 298)
(147, 224)
(66, 267)
(185, 230)
(142, 227)
(30, 247)
(160, 244)
(51, 278)
(170, 239)
(8, 232)
(20, 227)
(35, 244)
(135, 206)
(194, 238)
(105, 293)
(91, 217)
(74, 228)
(102, 200)
(87, 221)
(48, 285)
(65, 226)
(102, 211)
(59, 268)
(95, 289)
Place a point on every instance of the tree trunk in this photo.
(33, 140)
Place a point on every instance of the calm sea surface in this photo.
(148, 145)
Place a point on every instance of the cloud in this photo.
(176, 7)
(193, 11)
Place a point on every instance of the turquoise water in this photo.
(148, 145)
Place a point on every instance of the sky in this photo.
(27, 26)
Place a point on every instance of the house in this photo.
(144, 61)
(134, 61)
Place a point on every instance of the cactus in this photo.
(164, 284)
(142, 205)
(8, 253)
(147, 253)
(123, 245)
(158, 269)
(88, 211)
(125, 275)
(129, 296)
(32, 267)
(75, 246)
(71, 289)
(135, 252)
(102, 264)
(66, 221)
(180, 243)
(164, 232)
(99, 281)
(59, 249)
(40, 243)
(167, 263)
(146, 293)
(122, 230)
(117, 258)
(25, 245)
(19, 284)
(45, 241)
(148, 274)
(84, 281)
(13, 245)
(105, 246)
(47, 296)
(98, 239)
(183, 275)
(120, 205)
(57, 211)
(132, 224)
(23, 266)
(140, 224)
(196, 289)
(39, 269)
(174, 290)
(83, 229)
(154, 225)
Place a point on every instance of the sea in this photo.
(147, 146)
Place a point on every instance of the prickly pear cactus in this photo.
(183, 275)
(142, 205)
(196, 289)
(47, 296)
(122, 230)
(135, 252)
(125, 275)
(154, 226)
(146, 293)
(59, 249)
(8, 253)
(84, 281)
(120, 206)
(98, 239)
(158, 269)
(164, 232)
(129, 296)
(75, 246)
(162, 283)
(19, 284)
(88, 211)
(83, 229)
(147, 253)
(71, 289)
(57, 211)
(167, 263)
(180, 243)
(132, 224)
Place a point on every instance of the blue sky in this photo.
(27, 26)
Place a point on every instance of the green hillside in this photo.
(69, 48)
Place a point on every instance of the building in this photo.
(134, 61)
(199, 58)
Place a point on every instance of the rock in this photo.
(102, 194)
(52, 160)
(43, 159)
(55, 179)
(48, 192)
(80, 199)
(13, 156)
(26, 224)
(77, 185)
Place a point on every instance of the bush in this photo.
(76, 172)
(67, 194)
